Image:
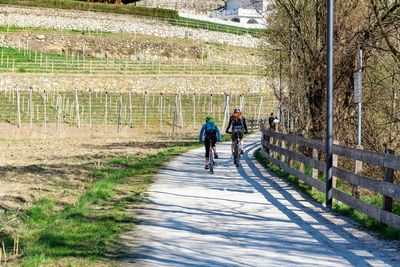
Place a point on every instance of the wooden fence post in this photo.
(389, 177)
(289, 160)
(315, 156)
(283, 145)
(301, 168)
(335, 164)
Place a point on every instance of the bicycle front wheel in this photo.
(211, 161)
(237, 155)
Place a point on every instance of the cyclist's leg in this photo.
(241, 135)
(214, 147)
(207, 147)
(233, 141)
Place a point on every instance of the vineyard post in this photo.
(59, 107)
(226, 111)
(180, 111)
(90, 109)
(161, 112)
(175, 115)
(19, 108)
(45, 111)
(194, 110)
(78, 119)
(211, 104)
(260, 108)
(130, 110)
(105, 110)
(120, 113)
(145, 110)
(31, 108)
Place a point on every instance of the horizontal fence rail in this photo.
(285, 149)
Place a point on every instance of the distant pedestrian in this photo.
(275, 123)
(271, 123)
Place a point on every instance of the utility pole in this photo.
(329, 104)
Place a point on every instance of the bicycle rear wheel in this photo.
(211, 161)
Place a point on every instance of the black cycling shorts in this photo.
(207, 140)
(235, 134)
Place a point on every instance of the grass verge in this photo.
(365, 221)
(85, 232)
(168, 15)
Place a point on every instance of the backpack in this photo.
(236, 121)
(210, 128)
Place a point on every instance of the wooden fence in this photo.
(284, 149)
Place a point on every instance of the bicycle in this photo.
(236, 149)
(211, 157)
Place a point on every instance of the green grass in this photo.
(171, 16)
(364, 220)
(88, 230)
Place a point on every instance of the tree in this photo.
(298, 28)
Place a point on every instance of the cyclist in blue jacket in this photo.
(211, 135)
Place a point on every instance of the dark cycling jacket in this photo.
(237, 127)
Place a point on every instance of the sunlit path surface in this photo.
(240, 217)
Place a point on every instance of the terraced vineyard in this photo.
(28, 61)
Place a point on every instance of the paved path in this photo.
(241, 217)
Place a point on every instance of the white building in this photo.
(246, 13)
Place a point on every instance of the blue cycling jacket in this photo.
(209, 128)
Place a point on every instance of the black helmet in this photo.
(237, 110)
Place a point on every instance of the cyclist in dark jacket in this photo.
(211, 136)
(238, 123)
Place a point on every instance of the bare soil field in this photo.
(61, 168)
